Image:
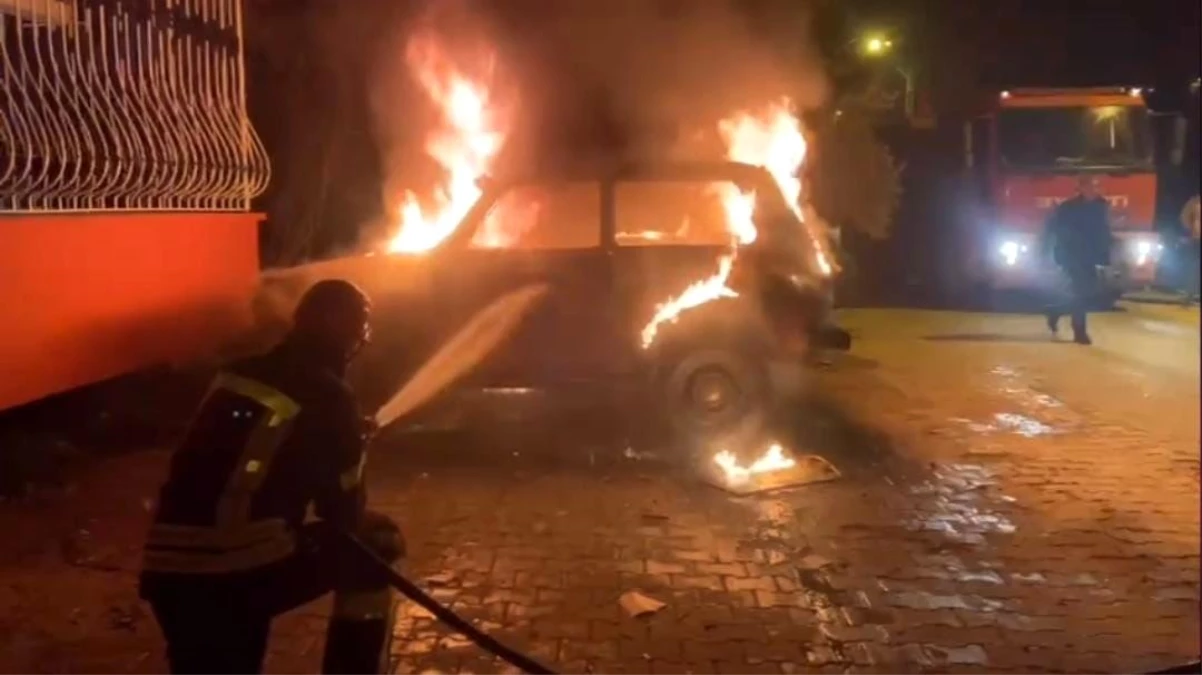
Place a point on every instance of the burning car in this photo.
(651, 305)
(670, 285)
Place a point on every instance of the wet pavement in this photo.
(1007, 504)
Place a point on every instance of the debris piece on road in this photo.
(540, 527)
(441, 579)
(637, 604)
(814, 561)
(972, 655)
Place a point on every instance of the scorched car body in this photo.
(613, 240)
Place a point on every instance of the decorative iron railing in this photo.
(125, 105)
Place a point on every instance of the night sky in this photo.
(1010, 43)
(314, 97)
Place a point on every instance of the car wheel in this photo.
(715, 399)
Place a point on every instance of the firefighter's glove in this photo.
(382, 535)
(368, 428)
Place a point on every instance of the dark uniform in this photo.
(229, 548)
(1078, 234)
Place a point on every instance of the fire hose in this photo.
(460, 625)
(459, 354)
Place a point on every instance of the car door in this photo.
(547, 231)
(670, 233)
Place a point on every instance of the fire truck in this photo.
(1025, 154)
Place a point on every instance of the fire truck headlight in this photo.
(1145, 251)
(1011, 252)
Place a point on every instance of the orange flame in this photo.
(697, 294)
(465, 145)
(773, 459)
(771, 138)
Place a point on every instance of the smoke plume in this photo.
(651, 68)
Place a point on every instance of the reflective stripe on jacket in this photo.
(189, 549)
(231, 541)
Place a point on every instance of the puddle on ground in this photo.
(1027, 427)
(1014, 385)
(958, 504)
(1022, 425)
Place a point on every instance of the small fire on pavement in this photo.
(775, 469)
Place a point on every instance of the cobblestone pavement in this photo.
(1007, 505)
(1186, 314)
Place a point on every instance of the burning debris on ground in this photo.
(775, 469)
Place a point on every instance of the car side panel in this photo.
(570, 336)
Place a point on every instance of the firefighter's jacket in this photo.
(274, 435)
(1078, 234)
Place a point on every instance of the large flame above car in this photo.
(770, 137)
(465, 144)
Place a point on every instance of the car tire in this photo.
(715, 398)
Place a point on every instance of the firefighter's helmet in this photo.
(336, 314)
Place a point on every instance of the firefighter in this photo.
(229, 548)
(1078, 239)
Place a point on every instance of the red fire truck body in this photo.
(1029, 152)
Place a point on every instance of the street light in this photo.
(878, 46)
(875, 45)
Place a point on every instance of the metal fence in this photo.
(125, 105)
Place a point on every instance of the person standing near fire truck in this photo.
(229, 549)
(1078, 239)
(1191, 222)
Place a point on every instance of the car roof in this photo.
(633, 169)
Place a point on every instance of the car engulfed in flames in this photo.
(652, 310)
(674, 285)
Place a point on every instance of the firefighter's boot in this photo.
(359, 632)
(360, 628)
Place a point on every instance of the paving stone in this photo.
(864, 633)
(972, 655)
(822, 655)
(1028, 544)
(736, 584)
(724, 569)
(657, 567)
(929, 601)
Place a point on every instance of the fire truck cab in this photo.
(1025, 155)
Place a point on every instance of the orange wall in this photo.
(85, 297)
